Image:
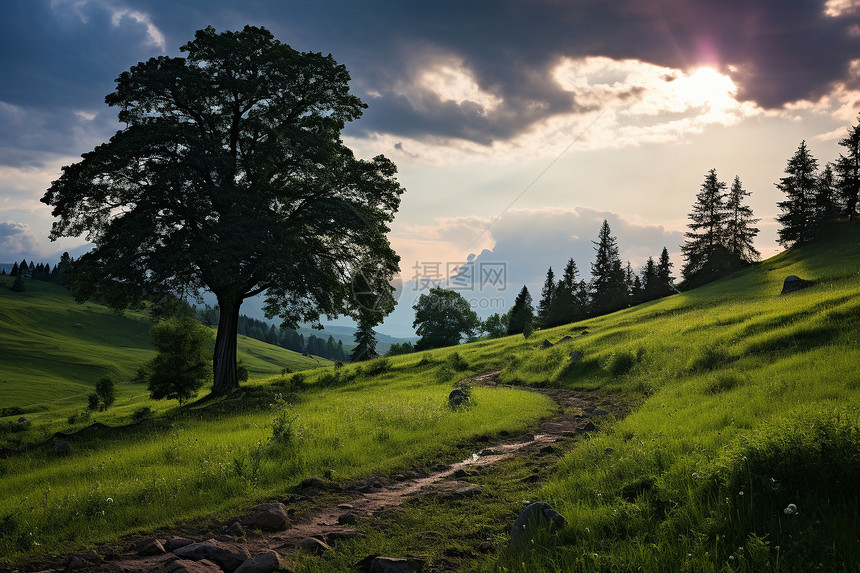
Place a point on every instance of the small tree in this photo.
(522, 314)
(365, 342)
(106, 391)
(705, 237)
(664, 274)
(18, 284)
(739, 230)
(182, 365)
(546, 296)
(797, 218)
(496, 325)
(608, 286)
(569, 300)
(826, 206)
(848, 172)
(442, 318)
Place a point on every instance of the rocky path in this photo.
(233, 547)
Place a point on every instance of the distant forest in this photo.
(283, 337)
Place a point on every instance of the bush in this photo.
(106, 391)
(456, 362)
(13, 411)
(711, 357)
(93, 401)
(141, 413)
(621, 363)
(242, 373)
(378, 366)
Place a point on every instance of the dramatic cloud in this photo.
(16, 239)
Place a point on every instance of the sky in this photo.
(517, 126)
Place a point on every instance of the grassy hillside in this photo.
(54, 350)
(743, 456)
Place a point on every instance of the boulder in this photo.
(268, 517)
(175, 543)
(225, 556)
(314, 545)
(537, 515)
(575, 356)
(793, 283)
(347, 519)
(188, 566)
(565, 339)
(150, 547)
(457, 397)
(264, 563)
(545, 344)
(236, 530)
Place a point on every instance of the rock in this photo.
(545, 344)
(488, 452)
(22, 419)
(547, 450)
(188, 566)
(310, 492)
(236, 529)
(537, 515)
(62, 448)
(89, 557)
(347, 519)
(457, 398)
(314, 482)
(345, 506)
(396, 565)
(264, 563)
(175, 543)
(575, 356)
(589, 427)
(150, 547)
(107, 552)
(76, 563)
(565, 339)
(268, 517)
(793, 283)
(225, 556)
(314, 545)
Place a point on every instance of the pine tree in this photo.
(522, 313)
(18, 284)
(650, 281)
(848, 171)
(546, 296)
(826, 207)
(365, 342)
(566, 306)
(797, 218)
(739, 230)
(14, 272)
(664, 274)
(608, 288)
(629, 282)
(706, 225)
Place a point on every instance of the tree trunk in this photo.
(224, 359)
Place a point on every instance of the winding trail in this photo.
(576, 414)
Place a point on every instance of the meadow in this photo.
(744, 454)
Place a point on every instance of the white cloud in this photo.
(16, 239)
(838, 8)
(155, 37)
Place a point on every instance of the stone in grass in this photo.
(396, 565)
(545, 344)
(314, 545)
(347, 519)
(536, 516)
(175, 543)
(575, 356)
(794, 283)
(268, 517)
(264, 563)
(227, 557)
(457, 397)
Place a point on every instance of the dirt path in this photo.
(576, 413)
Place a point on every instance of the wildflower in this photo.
(791, 509)
(740, 493)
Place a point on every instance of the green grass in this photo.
(54, 350)
(749, 401)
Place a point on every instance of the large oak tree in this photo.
(231, 176)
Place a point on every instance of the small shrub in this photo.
(106, 391)
(426, 359)
(242, 373)
(621, 363)
(13, 411)
(456, 362)
(141, 413)
(338, 364)
(93, 401)
(378, 366)
(282, 427)
(297, 380)
(711, 357)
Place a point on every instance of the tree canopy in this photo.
(442, 318)
(231, 176)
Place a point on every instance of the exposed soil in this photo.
(577, 413)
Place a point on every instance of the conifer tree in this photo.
(522, 313)
(848, 172)
(14, 272)
(18, 284)
(365, 342)
(546, 296)
(797, 218)
(650, 281)
(739, 230)
(826, 206)
(706, 226)
(664, 274)
(608, 287)
(566, 306)
(629, 282)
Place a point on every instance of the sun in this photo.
(706, 87)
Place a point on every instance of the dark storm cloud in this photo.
(62, 56)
